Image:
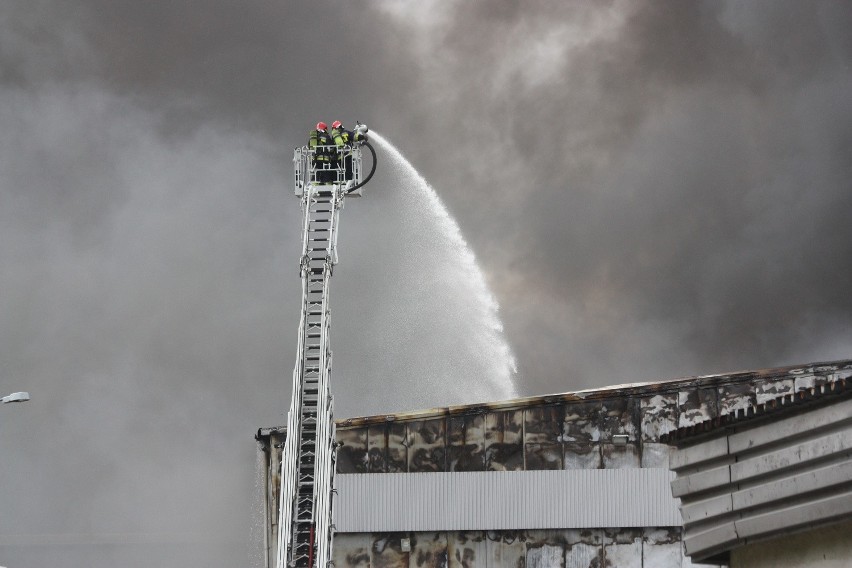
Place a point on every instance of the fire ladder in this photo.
(305, 530)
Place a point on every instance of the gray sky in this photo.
(652, 190)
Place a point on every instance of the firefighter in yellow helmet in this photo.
(324, 154)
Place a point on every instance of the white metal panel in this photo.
(699, 453)
(701, 480)
(497, 500)
(799, 484)
(700, 510)
(810, 512)
(710, 539)
(794, 456)
(797, 472)
(783, 429)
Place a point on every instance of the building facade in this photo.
(770, 485)
(570, 480)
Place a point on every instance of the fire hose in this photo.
(372, 170)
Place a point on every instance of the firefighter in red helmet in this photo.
(344, 140)
(324, 154)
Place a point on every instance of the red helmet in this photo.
(336, 124)
(321, 126)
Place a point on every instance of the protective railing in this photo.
(322, 165)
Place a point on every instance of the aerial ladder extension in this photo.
(305, 530)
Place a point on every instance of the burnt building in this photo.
(770, 485)
(579, 479)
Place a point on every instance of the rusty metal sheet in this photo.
(659, 415)
(397, 453)
(545, 556)
(386, 551)
(662, 535)
(662, 548)
(736, 396)
(540, 537)
(427, 446)
(543, 456)
(620, 457)
(803, 382)
(584, 548)
(377, 448)
(467, 549)
(352, 454)
(582, 555)
(352, 550)
(766, 390)
(543, 425)
(656, 455)
(696, 405)
(571, 548)
(428, 550)
(581, 424)
(823, 376)
(504, 450)
(466, 436)
(583, 456)
(545, 548)
(506, 548)
(619, 416)
(623, 548)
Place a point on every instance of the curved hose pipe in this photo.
(372, 170)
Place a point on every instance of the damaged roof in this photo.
(616, 391)
(819, 395)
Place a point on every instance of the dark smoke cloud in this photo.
(682, 176)
(653, 189)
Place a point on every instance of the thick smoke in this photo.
(652, 189)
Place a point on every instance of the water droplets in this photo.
(472, 313)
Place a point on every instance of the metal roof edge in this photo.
(803, 400)
(596, 393)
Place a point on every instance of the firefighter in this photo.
(344, 140)
(324, 154)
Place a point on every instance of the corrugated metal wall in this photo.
(759, 481)
(505, 500)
